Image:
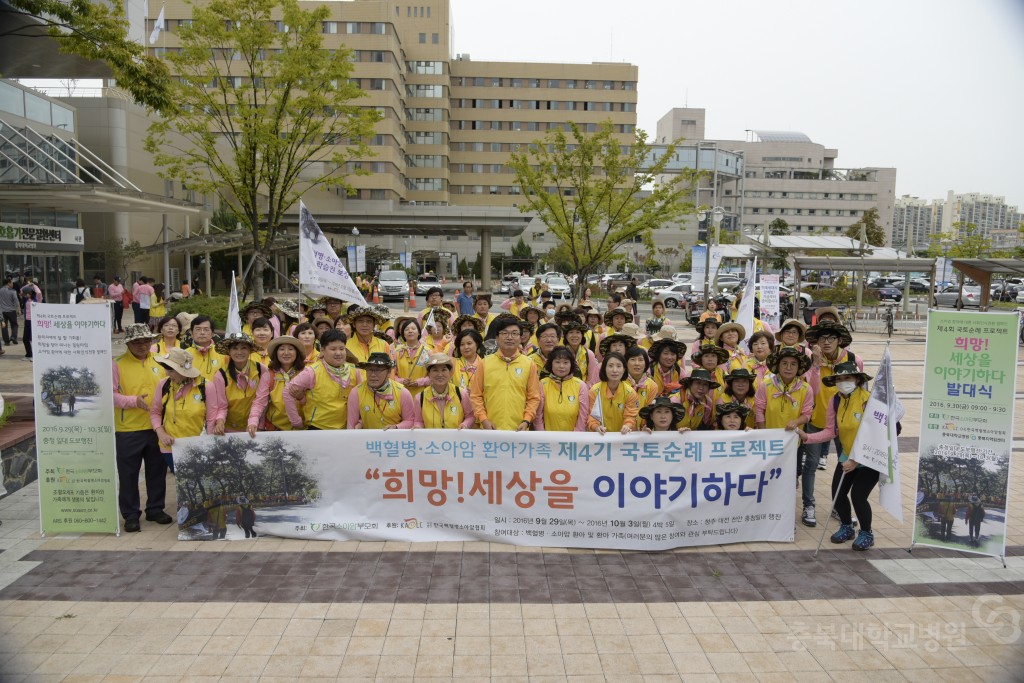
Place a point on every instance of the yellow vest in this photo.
(825, 394)
(646, 390)
(276, 413)
(659, 380)
(694, 413)
(848, 417)
(362, 352)
(137, 377)
(412, 367)
(453, 414)
(376, 413)
(256, 357)
(492, 316)
(780, 410)
(461, 374)
(207, 363)
(538, 360)
(326, 404)
(561, 403)
(185, 416)
(240, 400)
(582, 359)
(505, 389)
(613, 407)
(161, 347)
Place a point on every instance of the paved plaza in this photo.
(90, 607)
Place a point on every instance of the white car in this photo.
(674, 296)
(559, 286)
(682, 277)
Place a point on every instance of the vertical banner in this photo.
(320, 270)
(234, 323)
(74, 418)
(966, 431)
(698, 266)
(356, 258)
(769, 286)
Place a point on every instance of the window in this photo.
(379, 28)
(495, 146)
(330, 27)
(377, 84)
(377, 56)
(434, 38)
(351, 27)
(423, 38)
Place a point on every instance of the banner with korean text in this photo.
(966, 431)
(74, 401)
(638, 492)
(321, 272)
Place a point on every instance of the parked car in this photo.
(951, 297)
(619, 284)
(805, 297)
(653, 285)
(673, 296)
(681, 277)
(1020, 296)
(887, 294)
(425, 282)
(1004, 291)
(393, 284)
(559, 287)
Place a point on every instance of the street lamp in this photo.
(355, 248)
(716, 215)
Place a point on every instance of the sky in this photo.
(934, 88)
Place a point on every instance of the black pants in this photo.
(857, 485)
(118, 315)
(249, 531)
(133, 450)
(142, 316)
(974, 529)
(12, 323)
(137, 312)
(947, 529)
(26, 338)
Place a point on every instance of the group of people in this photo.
(145, 298)
(320, 365)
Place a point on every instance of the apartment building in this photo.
(996, 220)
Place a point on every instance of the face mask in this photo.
(846, 387)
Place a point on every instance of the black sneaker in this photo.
(131, 525)
(159, 517)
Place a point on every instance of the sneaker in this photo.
(131, 525)
(865, 539)
(844, 534)
(808, 517)
(823, 465)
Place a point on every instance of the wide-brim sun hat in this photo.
(778, 354)
(224, 345)
(138, 331)
(659, 345)
(606, 344)
(828, 327)
(285, 339)
(702, 325)
(185, 320)
(678, 411)
(732, 407)
(666, 332)
(633, 330)
(377, 359)
(354, 312)
(723, 355)
(845, 369)
(438, 359)
(792, 322)
(574, 325)
(475, 322)
(740, 373)
(699, 374)
(290, 308)
(383, 310)
(256, 306)
(180, 361)
(828, 310)
(730, 326)
(610, 315)
(526, 309)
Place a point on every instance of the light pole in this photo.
(716, 215)
(355, 247)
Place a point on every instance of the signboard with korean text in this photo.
(31, 238)
(74, 402)
(321, 272)
(966, 431)
(769, 286)
(580, 490)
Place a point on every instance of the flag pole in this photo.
(824, 529)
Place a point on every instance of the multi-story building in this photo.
(787, 175)
(913, 223)
(996, 220)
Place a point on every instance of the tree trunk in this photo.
(256, 273)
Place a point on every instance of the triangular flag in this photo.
(429, 323)
(745, 314)
(597, 410)
(160, 25)
(234, 324)
(321, 272)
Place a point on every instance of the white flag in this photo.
(597, 410)
(745, 314)
(160, 25)
(876, 445)
(234, 324)
(320, 270)
(429, 323)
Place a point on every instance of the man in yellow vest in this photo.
(363, 342)
(136, 374)
(505, 390)
(380, 402)
(204, 353)
(323, 388)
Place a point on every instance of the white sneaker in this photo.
(808, 517)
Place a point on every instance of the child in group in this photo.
(323, 388)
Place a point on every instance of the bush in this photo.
(7, 414)
(843, 295)
(216, 307)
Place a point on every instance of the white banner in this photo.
(638, 492)
(769, 286)
(74, 402)
(356, 258)
(320, 270)
(234, 323)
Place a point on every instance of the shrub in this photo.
(843, 295)
(216, 307)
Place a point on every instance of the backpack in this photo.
(80, 293)
(165, 394)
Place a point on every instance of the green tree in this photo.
(98, 31)
(966, 241)
(119, 254)
(779, 226)
(283, 123)
(589, 190)
(875, 233)
(521, 250)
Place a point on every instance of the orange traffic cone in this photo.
(376, 295)
(412, 296)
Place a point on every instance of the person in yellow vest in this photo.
(514, 304)
(364, 320)
(380, 402)
(287, 359)
(505, 389)
(482, 308)
(536, 290)
(651, 328)
(548, 336)
(638, 368)
(179, 407)
(732, 417)
(442, 405)
(564, 396)
(761, 345)
(829, 342)
(204, 354)
(322, 389)
(231, 392)
(464, 322)
(666, 353)
(436, 335)
(662, 415)
(597, 331)
(729, 337)
(467, 354)
(253, 311)
(616, 318)
(262, 334)
(713, 358)
(305, 333)
(696, 398)
(706, 331)
(322, 324)
(740, 387)
(136, 375)
(573, 337)
(615, 342)
(168, 332)
(158, 302)
(334, 308)
(534, 315)
(435, 297)
(711, 311)
(410, 355)
(792, 333)
(615, 405)
(850, 480)
(785, 401)
(288, 315)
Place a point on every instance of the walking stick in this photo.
(828, 519)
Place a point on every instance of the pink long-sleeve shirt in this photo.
(217, 394)
(156, 408)
(355, 418)
(306, 380)
(427, 395)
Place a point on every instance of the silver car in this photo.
(559, 286)
(950, 297)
